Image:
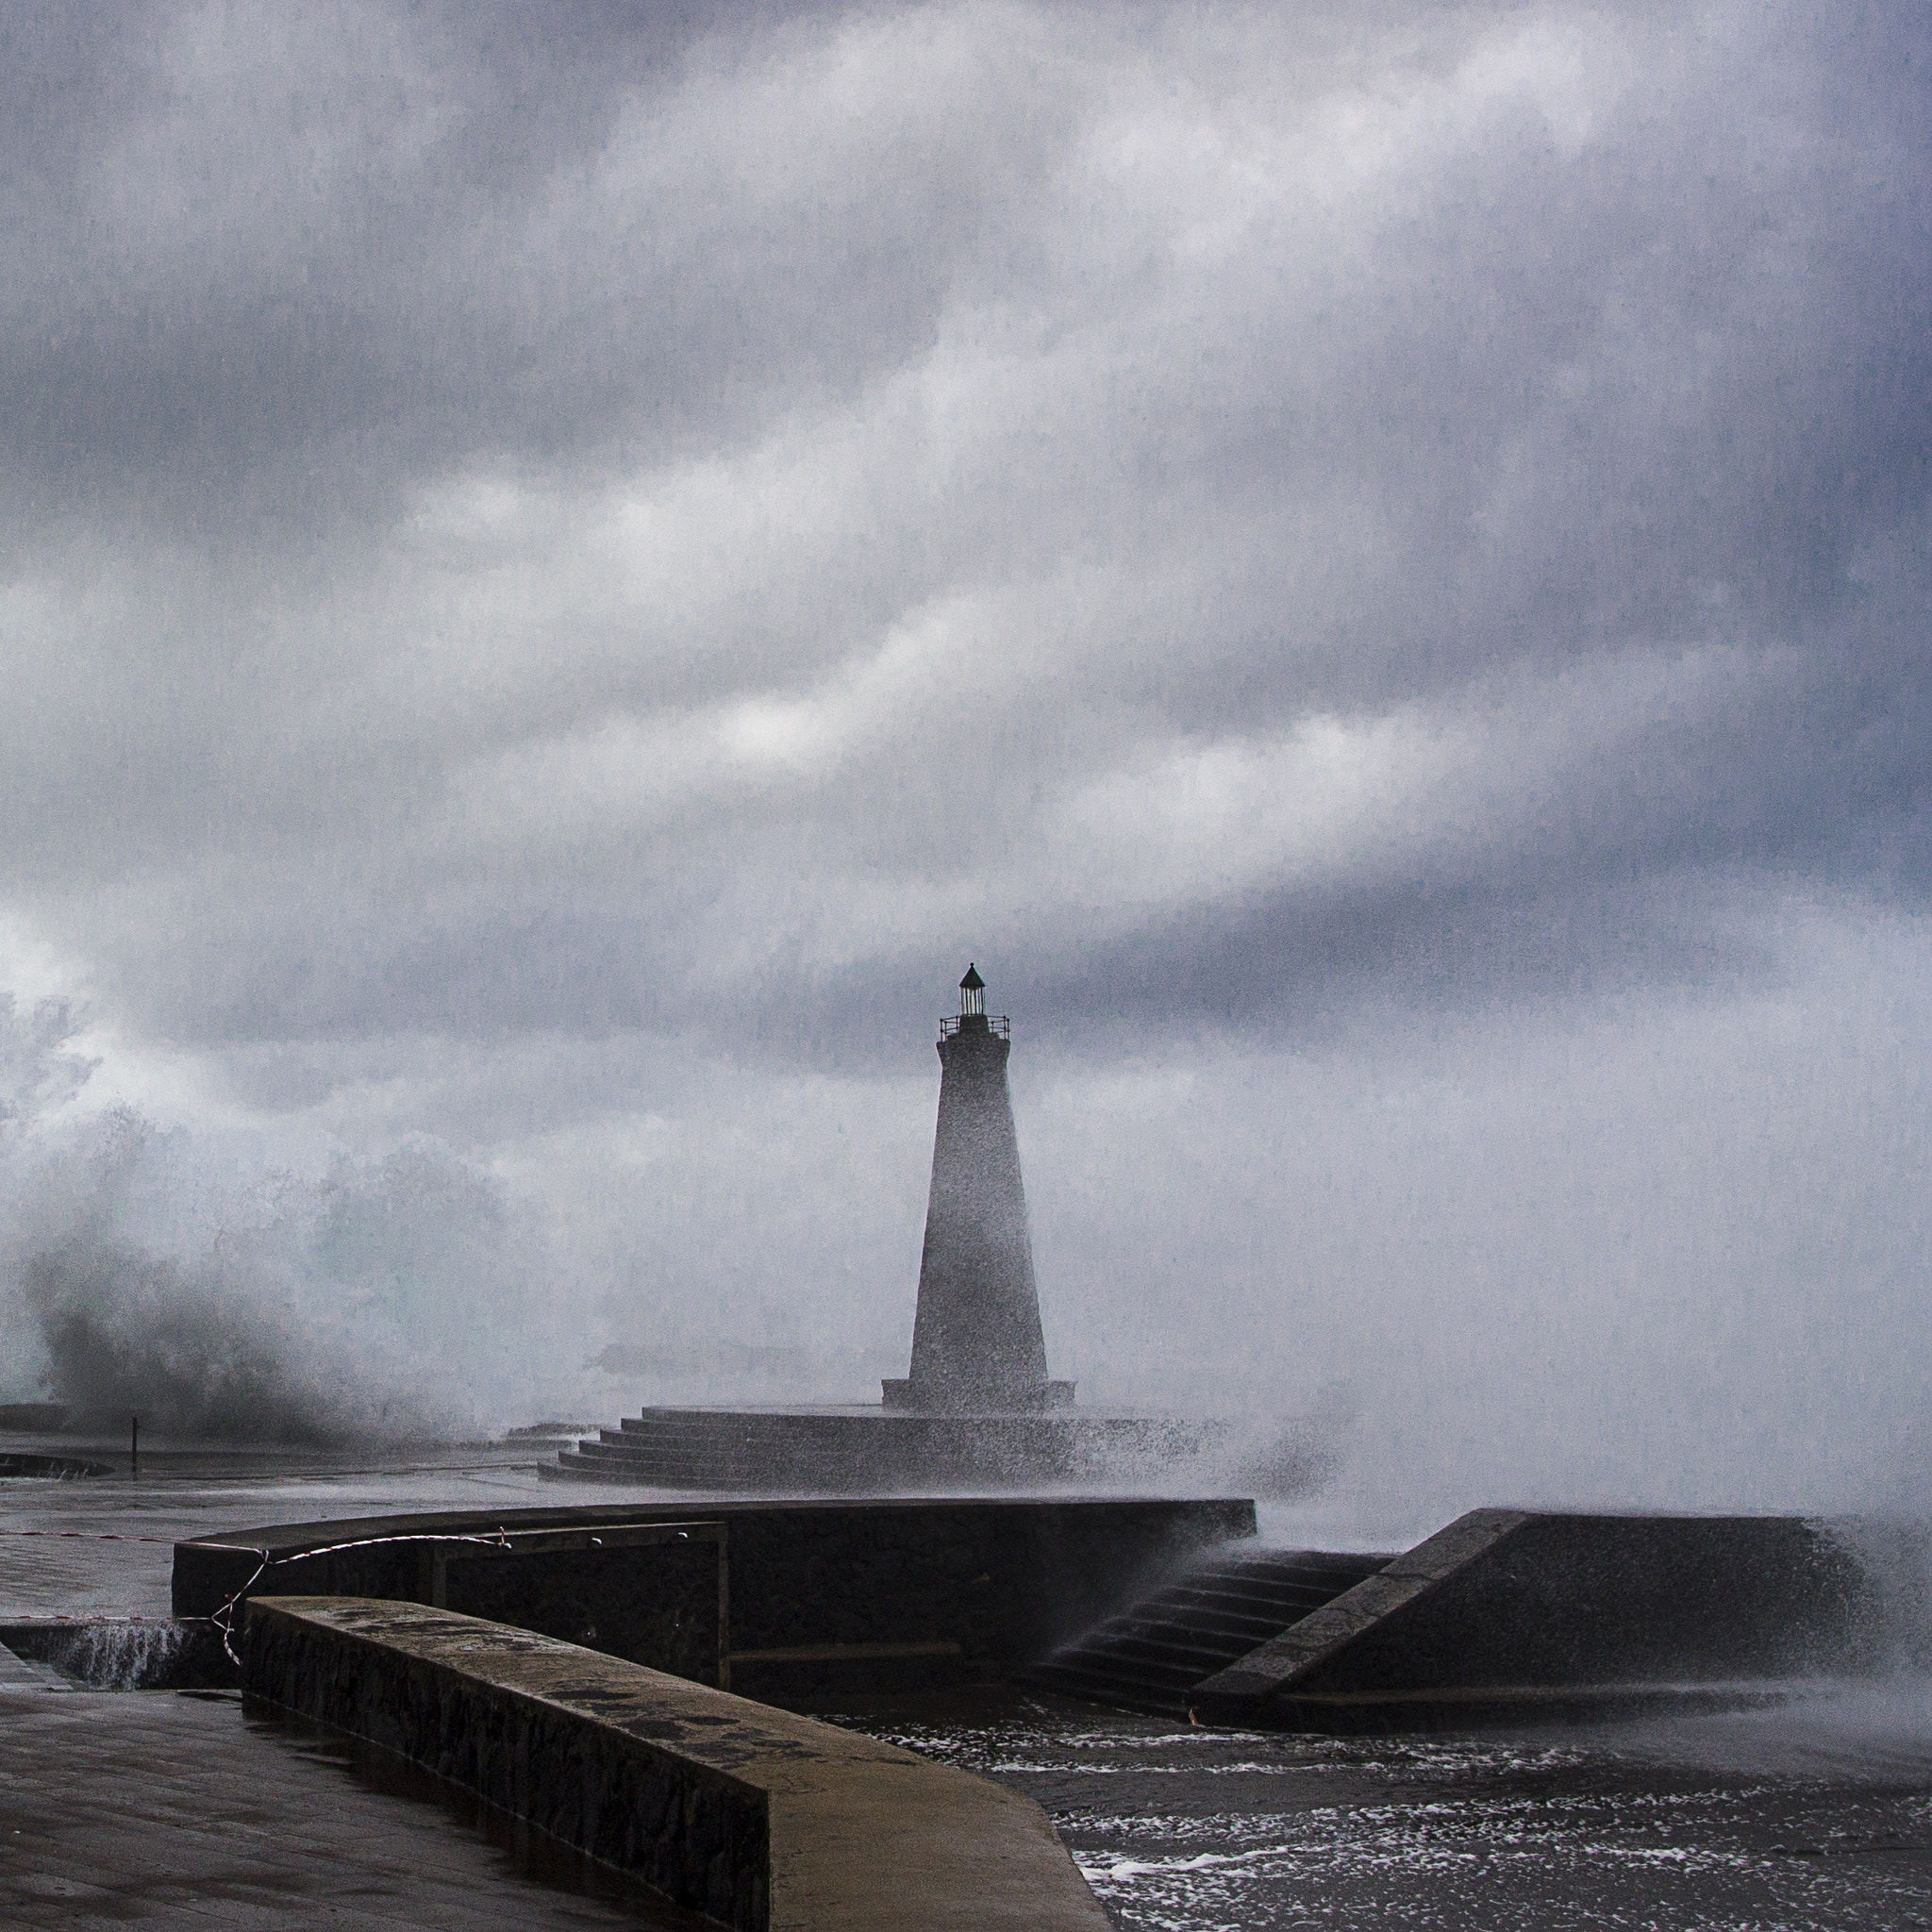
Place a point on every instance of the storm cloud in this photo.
(566, 568)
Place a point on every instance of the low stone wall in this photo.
(751, 1816)
(1507, 1613)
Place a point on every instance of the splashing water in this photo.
(119, 1656)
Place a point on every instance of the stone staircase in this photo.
(674, 1449)
(1149, 1658)
(865, 1449)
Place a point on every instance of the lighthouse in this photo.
(977, 1347)
(979, 1411)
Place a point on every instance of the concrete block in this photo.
(1507, 1611)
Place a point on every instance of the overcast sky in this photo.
(567, 566)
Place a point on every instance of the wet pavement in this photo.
(177, 1809)
(169, 1809)
(156, 1808)
(104, 1546)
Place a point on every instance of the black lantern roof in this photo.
(974, 1017)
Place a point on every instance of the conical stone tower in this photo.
(976, 1343)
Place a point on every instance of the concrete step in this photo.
(1242, 1623)
(1163, 1640)
(1275, 1603)
(592, 1453)
(1180, 1665)
(721, 1450)
(1274, 1582)
(1222, 1632)
(1148, 1657)
(633, 1448)
(662, 1471)
(1290, 1586)
(843, 1450)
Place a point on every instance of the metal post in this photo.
(134, 1445)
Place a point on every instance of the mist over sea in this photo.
(1692, 1285)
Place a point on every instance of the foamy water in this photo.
(1815, 1816)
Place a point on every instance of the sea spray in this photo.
(394, 1296)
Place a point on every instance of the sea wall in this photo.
(748, 1595)
(751, 1816)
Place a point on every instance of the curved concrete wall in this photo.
(752, 1816)
(999, 1582)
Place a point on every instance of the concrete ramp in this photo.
(1511, 1614)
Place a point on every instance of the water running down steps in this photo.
(1150, 1657)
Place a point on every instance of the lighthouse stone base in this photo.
(903, 1394)
(863, 1450)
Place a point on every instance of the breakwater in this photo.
(765, 1597)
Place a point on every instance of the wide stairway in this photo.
(679, 1449)
(867, 1450)
(1149, 1657)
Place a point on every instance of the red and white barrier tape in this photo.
(224, 1619)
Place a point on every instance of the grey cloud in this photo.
(1094, 346)
(288, 275)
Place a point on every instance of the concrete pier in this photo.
(181, 1810)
